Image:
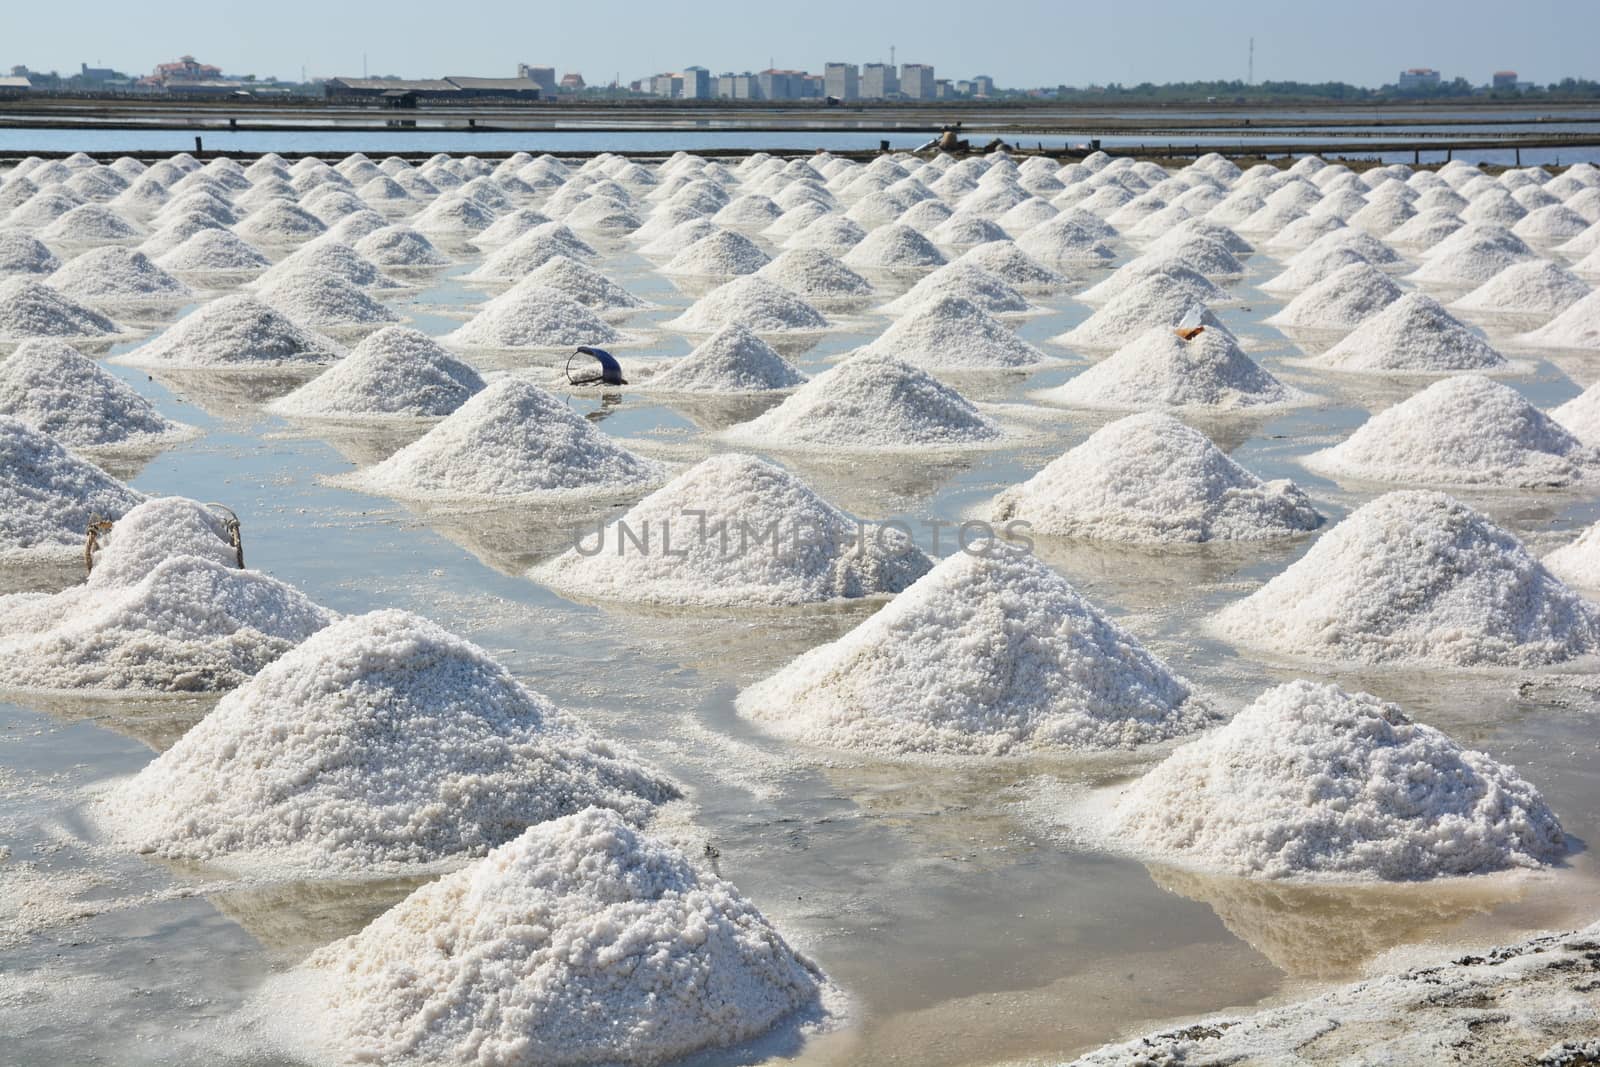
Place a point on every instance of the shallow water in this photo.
(964, 927)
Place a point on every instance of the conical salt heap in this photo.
(1160, 370)
(1465, 430)
(588, 287)
(991, 653)
(1311, 782)
(400, 247)
(48, 497)
(1015, 267)
(893, 247)
(1154, 300)
(723, 253)
(235, 332)
(117, 275)
(1413, 335)
(1341, 301)
(1578, 327)
(55, 389)
(732, 360)
(953, 333)
(31, 309)
(383, 739)
(710, 522)
(530, 315)
(1148, 478)
(394, 373)
(753, 302)
(814, 274)
(21, 253)
(593, 929)
(512, 443)
(1536, 288)
(214, 252)
(967, 281)
(323, 301)
(189, 625)
(1416, 578)
(870, 403)
(1471, 256)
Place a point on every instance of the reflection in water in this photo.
(715, 413)
(365, 445)
(157, 721)
(1151, 577)
(312, 914)
(231, 395)
(510, 540)
(1329, 931)
(878, 486)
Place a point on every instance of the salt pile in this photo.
(117, 275)
(965, 281)
(720, 254)
(233, 333)
(48, 496)
(1134, 272)
(383, 739)
(89, 224)
(531, 316)
(1012, 265)
(732, 360)
(963, 228)
(894, 247)
(30, 309)
(588, 287)
(521, 257)
(512, 442)
(1071, 237)
(870, 403)
(1311, 782)
(1577, 327)
(1538, 287)
(1153, 300)
(1471, 256)
(1581, 415)
(214, 252)
(815, 275)
(652, 928)
(453, 215)
(1466, 430)
(278, 222)
(333, 258)
(990, 654)
(754, 302)
(1426, 228)
(190, 625)
(1416, 578)
(1413, 335)
(159, 529)
(835, 234)
(400, 246)
(1578, 562)
(1549, 225)
(1159, 369)
(1340, 302)
(323, 300)
(22, 254)
(1148, 478)
(953, 333)
(711, 521)
(394, 373)
(1310, 267)
(51, 387)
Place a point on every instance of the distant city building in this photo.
(917, 81)
(783, 84)
(1504, 79)
(1419, 78)
(842, 81)
(879, 82)
(669, 86)
(744, 86)
(186, 70)
(982, 85)
(942, 89)
(572, 82)
(697, 83)
(543, 77)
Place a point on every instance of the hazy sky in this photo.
(1020, 43)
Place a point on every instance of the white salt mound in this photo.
(30, 309)
(894, 247)
(991, 653)
(532, 316)
(953, 333)
(732, 360)
(723, 515)
(1578, 327)
(588, 287)
(753, 302)
(383, 739)
(1578, 562)
(235, 332)
(1416, 578)
(323, 301)
(581, 942)
(214, 252)
(1413, 335)
(870, 403)
(55, 389)
(1153, 300)
(190, 625)
(1161, 370)
(116, 275)
(157, 530)
(720, 254)
(1311, 782)
(1148, 478)
(1538, 287)
(815, 275)
(1465, 430)
(1012, 265)
(24, 254)
(967, 281)
(394, 373)
(1581, 415)
(1341, 301)
(511, 442)
(400, 247)
(48, 497)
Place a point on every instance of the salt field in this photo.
(994, 608)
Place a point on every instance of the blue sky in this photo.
(1025, 42)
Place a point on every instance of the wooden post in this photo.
(1519, 155)
(198, 147)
